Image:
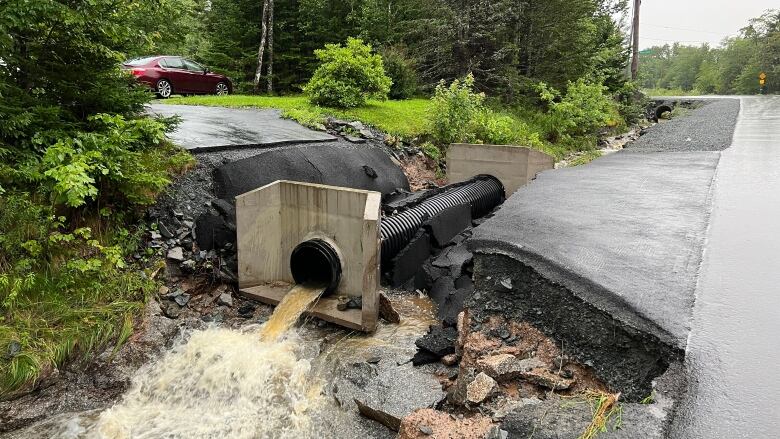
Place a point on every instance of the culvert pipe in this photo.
(483, 193)
(316, 262)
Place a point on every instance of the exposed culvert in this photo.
(316, 262)
(660, 110)
(483, 193)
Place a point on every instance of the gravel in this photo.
(707, 128)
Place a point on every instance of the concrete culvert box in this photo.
(291, 232)
(514, 166)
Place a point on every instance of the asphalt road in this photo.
(214, 128)
(625, 232)
(733, 352)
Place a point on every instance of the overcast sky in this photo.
(696, 21)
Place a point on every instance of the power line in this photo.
(682, 28)
(676, 41)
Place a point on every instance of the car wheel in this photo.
(222, 89)
(164, 89)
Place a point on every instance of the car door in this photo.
(201, 82)
(177, 74)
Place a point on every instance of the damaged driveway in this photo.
(213, 128)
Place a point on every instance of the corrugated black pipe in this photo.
(483, 193)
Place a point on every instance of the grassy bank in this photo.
(69, 283)
(407, 118)
(669, 92)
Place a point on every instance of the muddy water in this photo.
(257, 382)
(297, 300)
(220, 383)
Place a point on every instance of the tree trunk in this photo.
(261, 50)
(270, 46)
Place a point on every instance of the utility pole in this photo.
(635, 42)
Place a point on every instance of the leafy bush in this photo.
(120, 154)
(458, 114)
(401, 72)
(454, 110)
(583, 110)
(347, 76)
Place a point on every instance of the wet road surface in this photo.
(733, 350)
(211, 128)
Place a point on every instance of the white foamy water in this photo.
(220, 384)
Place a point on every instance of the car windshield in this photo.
(139, 61)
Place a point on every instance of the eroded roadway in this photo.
(733, 351)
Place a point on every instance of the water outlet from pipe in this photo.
(316, 262)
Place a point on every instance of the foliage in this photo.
(459, 114)
(77, 155)
(347, 76)
(454, 109)
(732, 68)
(61, 290)
(508, 45)
(401, 71)
(582, 110)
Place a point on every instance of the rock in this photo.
(424, 357)
(224, 208)
(443, 425)
(439, 341)
(178, 214)
(356, 125)
(343, 303)
(386, 392)
(163, 290)
(176, 254)
(386, 310)
(497, 433)
(506, 366)
(155, 235)
(353, 139)
(13, 349)
(450, 360)
(480, 388)
(355, 303)
(182, 299)
(504, 285)
(171, 309)
(189, 264)
(225, 299)
(246, 310)
(164, 231)
(544, 378)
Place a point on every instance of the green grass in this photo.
(669, 92)
(407, 118)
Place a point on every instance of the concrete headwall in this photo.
(515, 166)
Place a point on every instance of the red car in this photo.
(167, 75)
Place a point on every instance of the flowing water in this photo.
(261, 381)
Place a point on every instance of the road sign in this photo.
(761, 81)
(762, 76)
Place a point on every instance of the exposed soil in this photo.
(421, 172)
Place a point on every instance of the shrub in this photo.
(583, 110)
(401, 72)
(347, 76)
(458, 114)
(454, 109)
